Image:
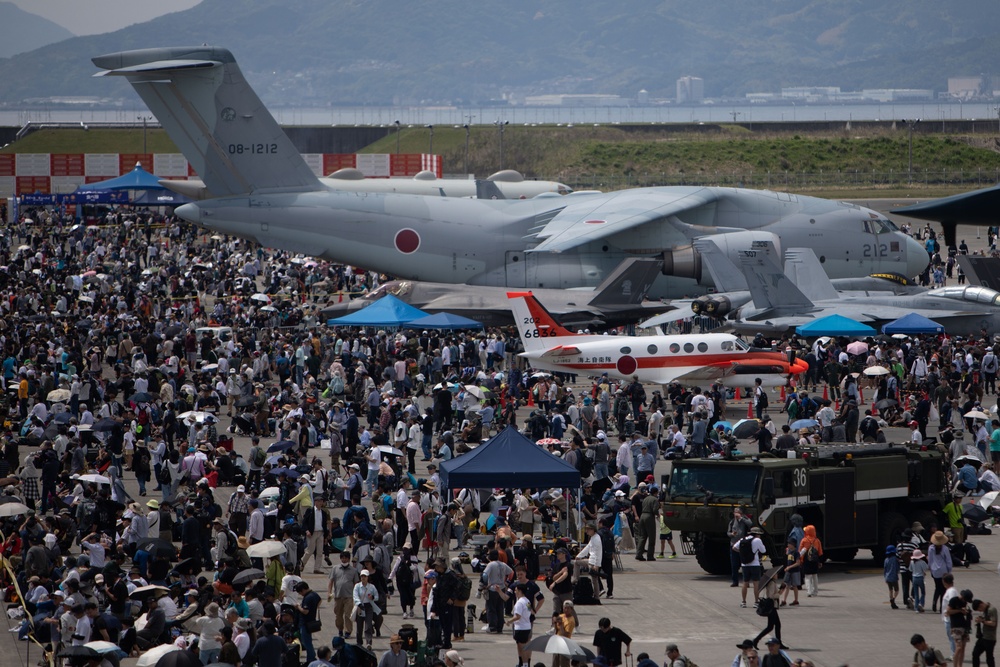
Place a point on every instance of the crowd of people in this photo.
(141, 357)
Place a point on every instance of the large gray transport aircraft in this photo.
(263, 190)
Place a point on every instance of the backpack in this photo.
(231, 544)
(583, 465)
(337, 385)
(164, 477)
(464, 589)
(812, 554)
(762, 398)
(259, 456)
(688, 662)
(746, 550)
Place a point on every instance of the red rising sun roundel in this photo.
(407, 241)
(626, 365)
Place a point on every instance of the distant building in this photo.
(896, 94)
(690, 90)
(810, 93)
(965, 87)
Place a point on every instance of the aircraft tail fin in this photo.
(726, 275)
(768, 284)
(208, 109)
(628, 284)
(487, 189)
(535, 325)
(804, 270)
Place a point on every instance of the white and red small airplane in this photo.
(689, 359)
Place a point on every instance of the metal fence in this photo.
(963, 179)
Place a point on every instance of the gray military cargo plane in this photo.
(775, 300)
(263, 190)
(619, 300)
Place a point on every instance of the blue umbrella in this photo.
(281, 446)
(803, 423)
(62, 417)
(292, 473)
(726, 425)
(273, 460)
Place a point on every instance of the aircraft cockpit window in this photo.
(727, 346)
(742, 345)
(888, 226)
(403, 288)
(982, 294)
(868, 227)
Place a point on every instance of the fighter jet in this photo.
(689, 359)
(263, 190)
(505, 184)
(618, 301)
(778, 300)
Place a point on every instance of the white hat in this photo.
(601, 435)
(619, 494)
(420, 377)
(241, 489)
(365, 573)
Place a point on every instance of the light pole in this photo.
(144, 119)
(430, 145)
(397, 137)
(910, 124)
(500, 124)
(466, 126)
(997, 109)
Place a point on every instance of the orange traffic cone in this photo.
(750, 410)
(874, 411)
(340, 297)
(783, 398)
(738, 394)
(826, 390)
(531, 398)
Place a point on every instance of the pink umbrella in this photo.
(857, 347)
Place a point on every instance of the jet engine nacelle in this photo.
(686, 261)
(718, 306)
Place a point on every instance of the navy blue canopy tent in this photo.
(508, 460)
(914, 323)
(386, 312)
(834, 325)
(445, 321)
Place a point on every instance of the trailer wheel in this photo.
(892, 526)
(712, 555)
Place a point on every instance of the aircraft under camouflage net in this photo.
(263, 190)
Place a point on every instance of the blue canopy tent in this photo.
(834, 325)
(445, 321)
(509, 460)
(914, 323)
(386, 312)
(137, 179)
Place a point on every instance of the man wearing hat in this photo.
(395, 656)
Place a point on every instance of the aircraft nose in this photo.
(189, 212)
(916, 257)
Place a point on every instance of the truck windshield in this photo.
(696, 480)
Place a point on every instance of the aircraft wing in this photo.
(681, 312)
(616, 212)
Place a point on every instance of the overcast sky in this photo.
(88, 17)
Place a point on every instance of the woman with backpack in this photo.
(811, 551)
(407, 577)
